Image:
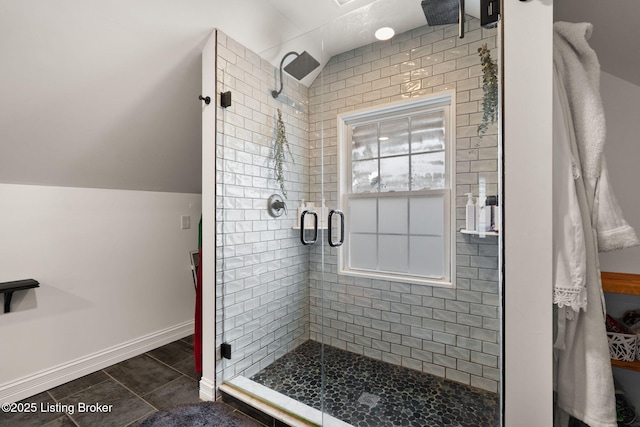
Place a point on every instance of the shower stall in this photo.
(375, 307)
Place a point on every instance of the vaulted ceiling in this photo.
(105, 93)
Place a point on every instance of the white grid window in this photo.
(396, 176)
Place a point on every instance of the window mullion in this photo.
(409, 159)
(409, 234)
(378, 159)
(378, 234)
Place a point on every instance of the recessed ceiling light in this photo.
(383, 138)
(342, 2)
(384, 33)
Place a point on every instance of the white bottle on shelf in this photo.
(496, 218)
(308, 219)
(470, 219)
(301, 209)
(483, 212)
(323, 215)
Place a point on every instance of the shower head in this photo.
(441, 12)
(302, 65)
(444, 12)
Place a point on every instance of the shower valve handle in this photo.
(276, 206)
(279, 204)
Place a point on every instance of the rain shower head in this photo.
(441, 12)
(445, 12)
(302, 65)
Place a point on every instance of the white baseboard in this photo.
(207, 390)
(44, 380)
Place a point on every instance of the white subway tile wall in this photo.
(453, 333)
(272, 293)
(262, 270)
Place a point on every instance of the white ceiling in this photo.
(615, 38)
(326, 29)
(616, 35)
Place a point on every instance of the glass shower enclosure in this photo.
(348, 290)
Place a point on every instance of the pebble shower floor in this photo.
(365, 392)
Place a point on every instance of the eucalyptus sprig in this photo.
(490, 88)
(278, 152)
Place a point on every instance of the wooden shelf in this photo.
(633, 366)
(622, 283)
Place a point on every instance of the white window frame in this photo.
(444, 99)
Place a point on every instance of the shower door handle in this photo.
(461, 18)
(315, 228)
(339, 243)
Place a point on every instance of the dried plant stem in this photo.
(280, 145)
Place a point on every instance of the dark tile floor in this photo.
(369, 393)
(136, 388)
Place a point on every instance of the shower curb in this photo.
(277, 405)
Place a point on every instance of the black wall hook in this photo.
(225, 99)
(206, 99)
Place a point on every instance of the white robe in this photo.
(583, 380)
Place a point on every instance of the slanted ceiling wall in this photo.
(100, 156)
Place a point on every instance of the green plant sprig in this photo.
(490, 88)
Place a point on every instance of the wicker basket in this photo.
(623, 346)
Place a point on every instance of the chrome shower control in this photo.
(276, 206)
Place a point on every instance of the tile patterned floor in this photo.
(138, 387)
(366, 392)
(359, 390)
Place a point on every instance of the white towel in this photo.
(614, 232)
(579, 68)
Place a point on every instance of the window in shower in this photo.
(396, 176)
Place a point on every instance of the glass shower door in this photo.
(390, 312)
(412, 335)
(267, 156)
